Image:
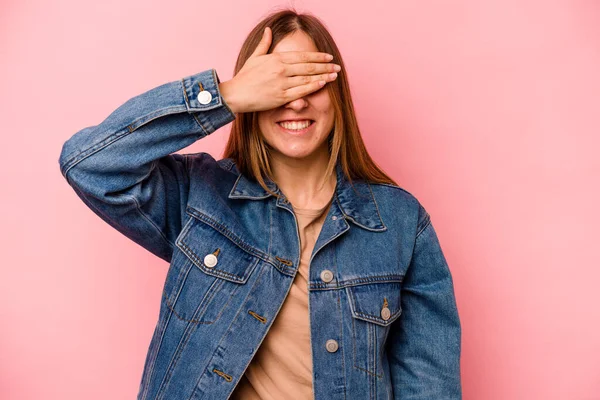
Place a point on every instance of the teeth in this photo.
(296, 125)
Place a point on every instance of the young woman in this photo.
(298, 268)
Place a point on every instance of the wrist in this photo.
(227, 95)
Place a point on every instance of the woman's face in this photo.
(295, 140)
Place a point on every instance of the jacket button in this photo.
(331, 346)
(210, 260)
(204, 97)
(326, 275)
(385, 313)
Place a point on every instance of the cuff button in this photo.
(204, 97)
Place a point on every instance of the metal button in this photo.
(326, 275)
(210, 260)
(385, 313)
(204, 97)
(334, 217)
(331, 345)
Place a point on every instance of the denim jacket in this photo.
(383, 317)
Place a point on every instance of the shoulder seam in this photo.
(426, 222)
(393, 187)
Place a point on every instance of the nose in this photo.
(297, 104)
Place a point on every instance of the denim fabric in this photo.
(390, 306)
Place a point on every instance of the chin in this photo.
(294, 153)
(300, 147)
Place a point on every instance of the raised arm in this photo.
(124, 170)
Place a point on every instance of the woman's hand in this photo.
(268, 81)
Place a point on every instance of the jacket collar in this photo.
(356, 200)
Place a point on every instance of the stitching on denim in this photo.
(187, 101)
(375, 329)
(234, 238)
(376, 206)
(368, 372)
(337, 200)
(235, 184)
(157, 340)
(225, 163)
(214, 289)
(232, 321)
(137, 205)
(354, 336)
(377, 320)
(227, 233)
(75, 159)
(200, 123)
(393, 186)
(189, 330)
(271, 209)
(387, 278)
(219, 272)
(339, 304)
(369, 340)
(204, 303)
(164, 381)
(372, 340)
(172, 308)
(221, 100)
(426, 222)
(146, 119)
(78, 156)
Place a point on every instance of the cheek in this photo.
(265, 123)
(322, 103)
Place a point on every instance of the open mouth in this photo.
(296, 127)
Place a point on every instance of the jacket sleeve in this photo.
(123, 169)
(425, 341)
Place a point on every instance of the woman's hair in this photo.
(247, 147)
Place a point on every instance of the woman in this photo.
(242, 314)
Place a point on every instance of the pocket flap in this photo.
(215, 253)
(377, 302)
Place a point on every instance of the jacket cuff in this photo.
(201, 92)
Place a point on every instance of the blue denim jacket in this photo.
(383, 317)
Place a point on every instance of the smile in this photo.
(296, 127)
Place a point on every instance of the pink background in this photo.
(488, 112)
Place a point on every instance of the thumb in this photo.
(264, 44)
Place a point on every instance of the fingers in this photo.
(301, 91)
(263, 45)
(307, 79)
(293, 57)
(310, 68)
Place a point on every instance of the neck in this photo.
(303, 180)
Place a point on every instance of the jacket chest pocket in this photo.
(208, 269)
(374, 307)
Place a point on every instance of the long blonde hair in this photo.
(247, 147)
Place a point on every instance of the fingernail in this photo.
(329, 57)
